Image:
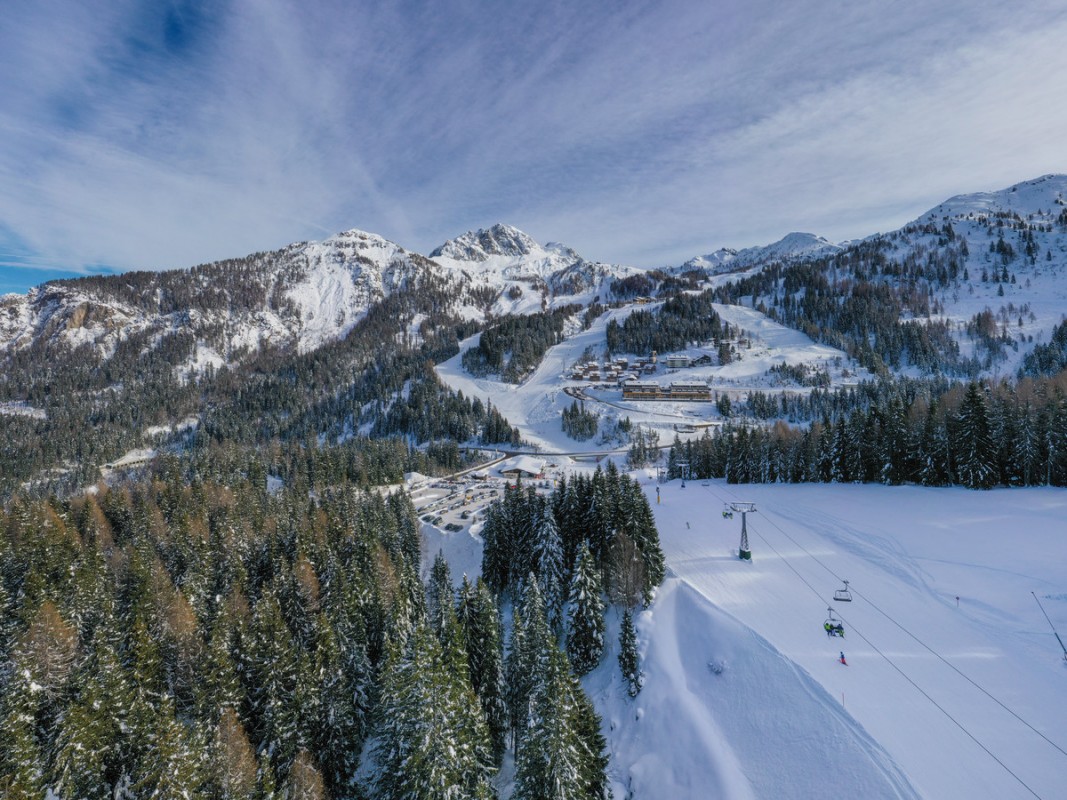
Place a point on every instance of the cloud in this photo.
(177, 133)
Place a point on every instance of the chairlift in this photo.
(832, 625)
(727, 512)
(843, 595)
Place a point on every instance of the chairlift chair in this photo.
(832, 625)
(843, 595)
(727, 512)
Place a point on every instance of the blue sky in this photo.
(157, 135)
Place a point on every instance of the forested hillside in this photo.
(185, 636)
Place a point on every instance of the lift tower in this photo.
(743, 509)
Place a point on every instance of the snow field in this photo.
(960, 698)
(743, 694)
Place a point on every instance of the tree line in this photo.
(976, 436)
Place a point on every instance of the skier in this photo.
(843, 658)
(839, 630)
(829, 628)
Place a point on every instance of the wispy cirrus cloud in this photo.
(170, 134)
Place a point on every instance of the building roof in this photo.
(527, 464)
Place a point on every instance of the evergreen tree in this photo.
(335, 718)
(585, 631)
(531, 644)
(275, 690)
(587, 724)
(89, 743)
(20, 753)
(480, 622)
(439, 593)
(932, 449)
(976, 455)
(171, 765)
(548, 563)
(550, 758)
(628, 658)
(432, 740)
(219, 685)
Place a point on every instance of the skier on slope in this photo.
(843, 658)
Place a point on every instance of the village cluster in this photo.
(627, 375)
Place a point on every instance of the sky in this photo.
(159, 135)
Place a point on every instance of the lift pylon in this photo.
(743, 509)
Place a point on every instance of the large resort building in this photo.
(678, 390)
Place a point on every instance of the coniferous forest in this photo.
(972, 435)
(192, 634)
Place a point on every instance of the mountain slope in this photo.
(792, 245)
(301, 296)
(966, 289)
(526, 276)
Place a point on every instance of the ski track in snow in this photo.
(744, 696)
(906, 563)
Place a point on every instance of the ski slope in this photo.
(745, 697)
(535, 406)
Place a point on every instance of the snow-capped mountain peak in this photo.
(480, 245)
(1044, 196)
(792, 245)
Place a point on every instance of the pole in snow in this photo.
(1054, 632)
(744, 508)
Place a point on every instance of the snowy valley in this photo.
(229, 484)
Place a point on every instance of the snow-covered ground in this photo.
(938, 700)
(744, 695)
(536, 404)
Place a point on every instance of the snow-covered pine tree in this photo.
(585, 630)
(976, 465)
(439, 593)
(497, 549)
(219, 685)
(587, 724)
(642, 526)
(550, 757)
(548, 560)
(277, 675)
(531, 644)
(335, 728)
(89, 746)
(432, 741)
(628, 658)
(1027, 447)
(480, 622)
(21, 763)
(931, 449)
(172, 763)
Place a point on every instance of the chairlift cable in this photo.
(927, 647)
(907, 677)
(902, 673)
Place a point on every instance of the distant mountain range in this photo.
(311, 293)
(326, 341)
